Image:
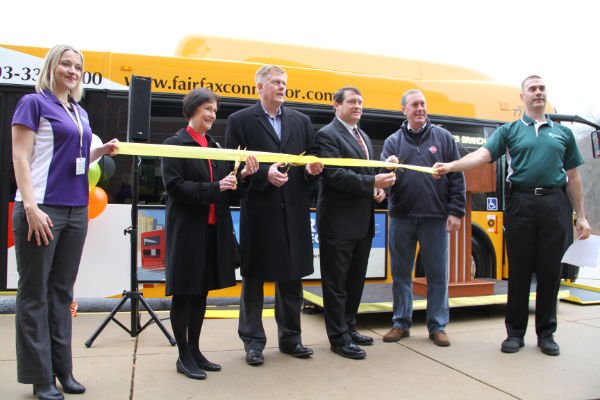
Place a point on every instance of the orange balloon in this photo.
(98, 201)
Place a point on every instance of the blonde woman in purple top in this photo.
(51, 139)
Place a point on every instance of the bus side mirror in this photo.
(596, 143)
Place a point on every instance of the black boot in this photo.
(69, 384)
(47, 391)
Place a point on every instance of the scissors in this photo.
(401, 170)
(286, 167)
(237, 163)
(236, 166)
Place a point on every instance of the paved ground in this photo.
(120, 367)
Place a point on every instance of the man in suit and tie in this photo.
(345, 221)
(275, 231)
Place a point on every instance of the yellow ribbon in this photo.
(167, 150)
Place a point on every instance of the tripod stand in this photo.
(138, 129)
(134, 295)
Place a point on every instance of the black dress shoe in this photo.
(349, 350)
(363, 340)
(204, 364)
(47, 391)
(254, 357)
(549, 346)
(192, 372)
(69, 384)
(512, 344)
(299, 351)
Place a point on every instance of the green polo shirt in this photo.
(537, 157)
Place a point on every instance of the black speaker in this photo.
(138, 116)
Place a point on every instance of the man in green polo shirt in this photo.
(542, 178)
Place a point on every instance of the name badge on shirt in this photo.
(80, 166)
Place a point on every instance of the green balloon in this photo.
(94, 174)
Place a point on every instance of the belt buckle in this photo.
(538, 191)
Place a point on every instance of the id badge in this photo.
(80, 166)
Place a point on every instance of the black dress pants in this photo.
(536, 237)
(288, 304)
(343, 270)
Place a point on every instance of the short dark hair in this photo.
(528, 78)
(338, 96)
(196, 98)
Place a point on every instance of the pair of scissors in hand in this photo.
(285, 168)
(236, 166)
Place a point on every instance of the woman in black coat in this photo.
(199, 230)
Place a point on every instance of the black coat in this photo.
(189, 194)
(345, 205)
(275, 230)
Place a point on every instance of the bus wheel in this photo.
(482, 261)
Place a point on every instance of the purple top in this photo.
(55, 150)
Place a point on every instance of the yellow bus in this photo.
(469, 104)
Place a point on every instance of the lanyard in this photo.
(77, 121)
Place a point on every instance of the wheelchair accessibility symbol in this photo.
(492, 204)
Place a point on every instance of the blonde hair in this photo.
(266, 70)
(46, 79)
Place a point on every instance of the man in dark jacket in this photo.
(275, 232)
(424, 210)
(345, 221)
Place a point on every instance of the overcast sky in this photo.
(505, 39)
